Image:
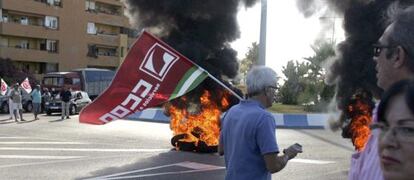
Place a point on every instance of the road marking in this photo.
(62, 161)
(196, 167)
(15, 137)
(311, 161)
(84, 149)
(37, 157)
(42, 142)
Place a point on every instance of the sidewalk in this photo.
(299, 121)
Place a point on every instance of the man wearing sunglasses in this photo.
(394, 57)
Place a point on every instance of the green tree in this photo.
(251, 59)
(304, 83)
(316, 90)
(294, 82)
(11, 74)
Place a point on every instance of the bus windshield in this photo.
(53, 81)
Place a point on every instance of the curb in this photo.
(296, 121)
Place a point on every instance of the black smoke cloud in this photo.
(200, 30)
(353, 67)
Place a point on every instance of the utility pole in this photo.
(262, 44)
(333, 25)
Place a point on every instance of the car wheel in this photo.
(29, 107)
(72, 110)
(48, 112)
(5, 107)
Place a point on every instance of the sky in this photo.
(289, 34)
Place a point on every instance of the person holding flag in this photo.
(16, 96)
(5, 91)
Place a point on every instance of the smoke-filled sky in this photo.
(289, 32)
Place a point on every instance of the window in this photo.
(51, 45)
(51, 67)
(55, 81)
(24, 44)
(5, 18)
(24, 20)
(76, 81)
(91, 29)
(51, 22)
(89, 5)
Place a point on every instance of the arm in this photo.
(275, 163)
(220, 149)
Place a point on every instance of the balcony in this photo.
(112, 2)
(30, 55)
(33, 7)
(16, 29)
(104, 39)
(107, 61)
(108, 19)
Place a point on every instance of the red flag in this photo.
(26, 85)
(3, 87)
(151, 74)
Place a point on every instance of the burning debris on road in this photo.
(201, 31)
(195, 119)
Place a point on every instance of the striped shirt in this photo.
(365, 165)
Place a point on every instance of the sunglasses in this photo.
(378, 48)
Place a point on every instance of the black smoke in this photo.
(200, 30)
(364, 22)
(353, 69)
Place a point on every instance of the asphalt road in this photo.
(53, 149)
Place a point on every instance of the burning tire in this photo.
(201, 146)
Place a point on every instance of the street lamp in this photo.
(333, 24)
(262, 45)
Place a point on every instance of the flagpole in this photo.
(211, 76)
(221, 83)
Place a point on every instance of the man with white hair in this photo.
(247, 137)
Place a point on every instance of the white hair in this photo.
(260, 77)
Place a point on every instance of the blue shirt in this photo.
(248, 132)
(36, 96)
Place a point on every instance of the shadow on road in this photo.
(161, 166)
(7, 121)
(57, 120)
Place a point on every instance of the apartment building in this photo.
(44, 36)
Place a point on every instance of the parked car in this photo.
(26, 103)
(79, 100)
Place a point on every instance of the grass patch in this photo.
(283, 108)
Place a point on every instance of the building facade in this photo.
(42, 36)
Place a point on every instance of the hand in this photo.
(293, 150)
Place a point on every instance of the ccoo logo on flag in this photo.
(158, 61)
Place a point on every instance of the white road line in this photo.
(15, 137)
(37, 157)
(42, 142)
(311, 161)
(60, 161)
(155, 174)
(197, 167)
(83, 149)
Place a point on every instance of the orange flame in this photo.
(360, 124)
(205, 124)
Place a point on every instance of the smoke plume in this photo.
(200, 30)
(364, 22)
